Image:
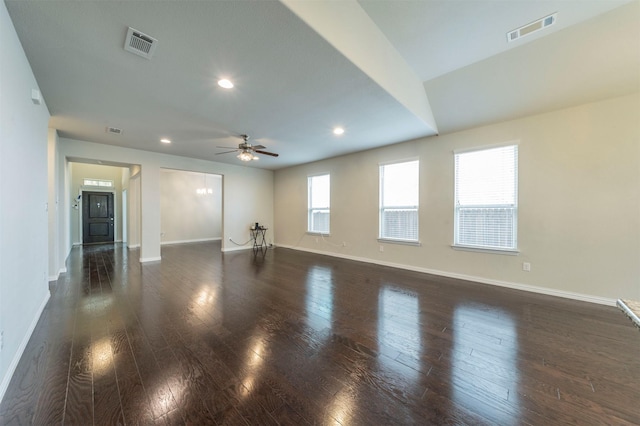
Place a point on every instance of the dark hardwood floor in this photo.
(295, 338)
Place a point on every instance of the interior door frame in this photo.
(125, 224)
(84, 188)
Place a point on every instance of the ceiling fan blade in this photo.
(226, 152)
(226, 147)
(273, 154)
(258, 147)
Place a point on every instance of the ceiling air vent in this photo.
(532, 27)
(140, 43)
(113, 130)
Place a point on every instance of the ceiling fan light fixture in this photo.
(245, 156)
(338, 131)
(225, 84)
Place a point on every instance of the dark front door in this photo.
(97, 217)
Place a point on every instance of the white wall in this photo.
(133, 238)
(23, 198)
(53, 222)
(247, 192)
(80, 171)
(185, 214)
(579, 204)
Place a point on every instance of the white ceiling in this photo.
(295, 81)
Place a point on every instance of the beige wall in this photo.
(579, 204)
(185, 215)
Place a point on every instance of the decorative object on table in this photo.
(258, 235)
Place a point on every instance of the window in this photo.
(319, 203)
(98, 182)
(399, 201)
(486, 198)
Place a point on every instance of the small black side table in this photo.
(259, 237)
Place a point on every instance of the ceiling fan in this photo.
(247, 151)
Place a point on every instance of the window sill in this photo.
(507, 252)
(319, 234)
(401, 242)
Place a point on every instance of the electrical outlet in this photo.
(526, 266)
(344, 244)
(316, 240)
(381, 249)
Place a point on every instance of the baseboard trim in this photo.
(199, 240)
(23, 345)
(57, 276)
(515, 286)
(150, 259)
(133, 246)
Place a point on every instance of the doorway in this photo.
(190, 206)
(97, 217)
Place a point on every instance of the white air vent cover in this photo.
(140, 43)
(113, 130)
(532, 27)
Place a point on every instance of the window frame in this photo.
(311, 209)
(381, 208)
(515, 206)
(99, 183)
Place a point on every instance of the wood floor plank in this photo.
(78, 408)
(50, 407)
(20, 400)
(290, 337)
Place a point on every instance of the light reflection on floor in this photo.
(101, 356)
(97, 304)
(341, 406)
(319, 298)
(399, 328)
(207, 303)
(484, 348)
(254, 360)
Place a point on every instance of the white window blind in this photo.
(486, 198)
(399, 201)
(319, 207)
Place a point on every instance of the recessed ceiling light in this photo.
(338, 131)
(226, 84)
(165, 140)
